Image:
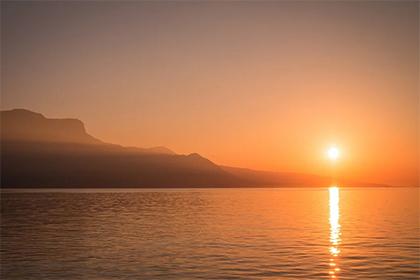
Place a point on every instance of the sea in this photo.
(229, 233)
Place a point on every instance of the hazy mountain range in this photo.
(42, 152)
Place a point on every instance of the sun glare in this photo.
(335, 230)
(333, 153)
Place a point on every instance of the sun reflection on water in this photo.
(335, 230)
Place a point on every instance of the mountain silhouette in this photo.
(41, 152)
(24, 125)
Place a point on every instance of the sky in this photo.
(262, 85)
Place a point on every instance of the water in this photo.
(326, 233)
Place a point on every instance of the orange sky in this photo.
(259, 85)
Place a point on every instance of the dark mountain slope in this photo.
(32, 164)
(41, 152)
(251, 177)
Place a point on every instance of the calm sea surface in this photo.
(325, 233)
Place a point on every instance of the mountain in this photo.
(42, 152)
(251, 177)
(27, 126)
(285, 179)
(24, 125)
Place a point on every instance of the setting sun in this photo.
(333, 153)
(209, 139)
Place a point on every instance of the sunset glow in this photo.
(333, 153)
(210, 139)
(219, 80)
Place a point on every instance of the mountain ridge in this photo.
(41, 152)
(15, 125)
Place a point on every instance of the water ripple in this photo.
(211, 234)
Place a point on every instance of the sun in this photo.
(333, 153)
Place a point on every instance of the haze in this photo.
(261, 85)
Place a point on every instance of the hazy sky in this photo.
(265, 85)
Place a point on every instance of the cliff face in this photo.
(24, 125)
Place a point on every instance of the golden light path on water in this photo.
(335, 230)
